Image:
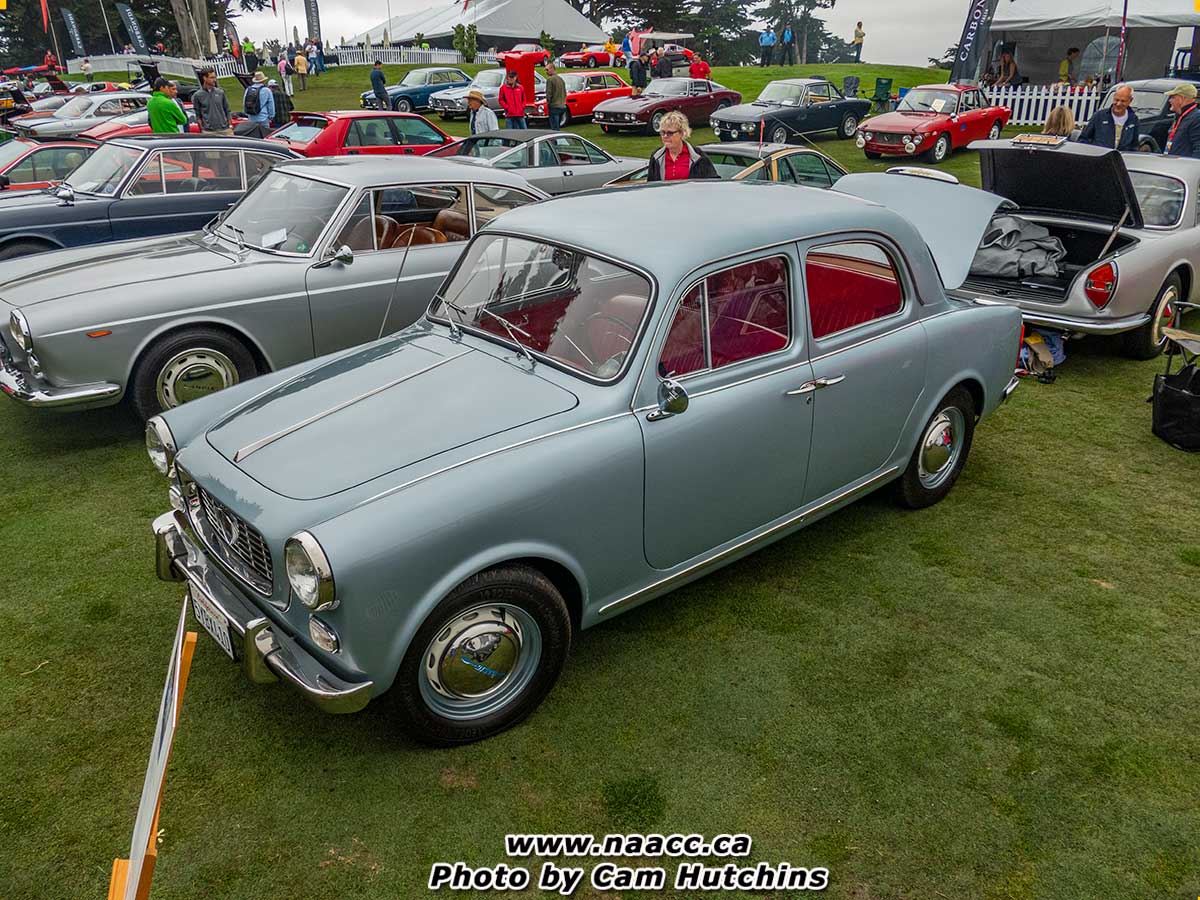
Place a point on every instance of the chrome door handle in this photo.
(809, 386)
(568, 172)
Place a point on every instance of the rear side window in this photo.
(739, 314)
(416, 131)
(850, 284)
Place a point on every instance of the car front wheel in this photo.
(186, 366)
(940, 149)
(779, 135)
(849, 126)
(656, 122)
(485, 658)
(941, 452)
(1148, 341)
(591, 62)
(403, 104)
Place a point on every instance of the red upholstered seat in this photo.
(844, 292)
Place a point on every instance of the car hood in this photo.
(456, 93)
(39, 198)
(751, 112)
(950, 217)
(1076, 180)
(322, 432)
(630, 104)
(904, 122)
(43, 278)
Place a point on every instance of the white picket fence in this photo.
(1031, 104)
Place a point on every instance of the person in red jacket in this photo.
(50, 61)
(512, 101)
(699, 68)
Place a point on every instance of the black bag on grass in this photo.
(1177, 408)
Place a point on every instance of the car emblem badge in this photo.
(229, 527)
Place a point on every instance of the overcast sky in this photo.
(900, 33)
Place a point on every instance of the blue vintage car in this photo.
(136, 187)
(586, 419)
(416, 87)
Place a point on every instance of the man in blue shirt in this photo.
(789, 46)
(259, 103)
(766, 43)
(627, 50)
(379, 86)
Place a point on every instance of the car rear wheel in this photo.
(779, 135)
(23, 248)
(1148, 341)
(994, 131)
(941, 452)
(403, 104)
(849, 125)
(940, 149)
(591, 63)
(186, 366)
(485, 658)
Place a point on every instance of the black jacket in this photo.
(637, 73)
(663, 68)
(1186, 141)
(700, 167)
(1102, 131)
(212, 109)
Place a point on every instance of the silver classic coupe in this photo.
(585, 419)
(320, 255)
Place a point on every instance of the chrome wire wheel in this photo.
(941, 447)
(480, 662)
(193, 373)
(1164, 314)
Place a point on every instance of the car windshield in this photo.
(47, 103)
(729, 164)
(1160, 198)
(284, 212)
(415, 78)
(782, 92)
(302, 130)
(596, 48)
(1145, 103)
(11, 151)
(582, 312)
(104, 170)
(930, 101)
(669, 87)
(488, 78)
(480, 148)
(574, 82)
(74, 108)
(525, 48)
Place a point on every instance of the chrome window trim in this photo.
(904, 279)
(142, 166)
(651, 303)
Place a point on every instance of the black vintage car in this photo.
(136, 187)
(788, 108)
(1152, 110)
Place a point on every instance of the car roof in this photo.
(368, 171)
(736, 205)
(1184, 167)
(191, 140)
(112, 95)
(520, 135)
(1157, 84)
(754, 148)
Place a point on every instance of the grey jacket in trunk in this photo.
(1013, 247)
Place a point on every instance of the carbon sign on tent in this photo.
(974, 41)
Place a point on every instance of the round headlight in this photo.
(160, 445)
(860, 141)
(19, 329)
(308, 572)
(869, 136)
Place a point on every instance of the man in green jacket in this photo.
(556, 97)
(166, 116)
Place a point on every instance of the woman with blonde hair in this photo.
(1061, 122)
(676, 159)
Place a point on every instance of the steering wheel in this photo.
(613, 327)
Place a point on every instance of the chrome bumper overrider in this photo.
(266, 654)
(1010, 387)
(31, 392)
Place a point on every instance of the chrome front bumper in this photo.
(33, 392)
(265, 652)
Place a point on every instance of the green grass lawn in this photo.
(995, 698)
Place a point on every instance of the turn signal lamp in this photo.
(1101, 285)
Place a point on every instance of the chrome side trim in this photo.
(338, 407)
(485, 455)
(716, 558)
(865, 341)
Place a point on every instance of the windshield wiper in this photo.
(455, 331)
(241, 235)
(511, 329)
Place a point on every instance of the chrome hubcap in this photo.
(1164, 315)
(850, 126)
(481, 661)
(940, 447)
(656, 122)
(779, 136)
(192, 374)
(995, 132)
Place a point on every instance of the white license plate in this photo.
(214, 622)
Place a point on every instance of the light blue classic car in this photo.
(585, 419)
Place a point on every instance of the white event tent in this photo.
(500, 23)
(1041, 32)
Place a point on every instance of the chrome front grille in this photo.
(233, 534)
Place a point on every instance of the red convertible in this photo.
(591, 57)
(932, 121)
(584, 93)
(543, 53)
(360, 132)
(696, 98)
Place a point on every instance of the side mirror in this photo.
(672, 400)
(344, 255)
(65, 195)
(5, 181)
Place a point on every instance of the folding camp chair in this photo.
(1176, 397)
(882, 98)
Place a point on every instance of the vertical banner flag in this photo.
(313, 17)
(132, 28)
(973, 46)
(235, 46)
(73, 30)
(45, 16)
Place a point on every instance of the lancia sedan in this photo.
(439, 512)
(789, 108)
(322, 254)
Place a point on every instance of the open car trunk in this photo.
(1084, 244)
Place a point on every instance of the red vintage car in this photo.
(28, 165)
(696, 98)
(543, 53)
(592, 56)
(355, 132)
(138, 122)
(932, 121)
(584, 92)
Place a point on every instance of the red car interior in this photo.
(844, 292)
